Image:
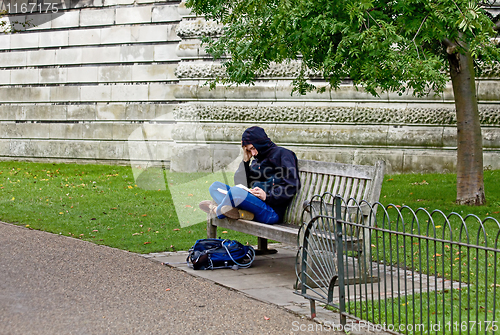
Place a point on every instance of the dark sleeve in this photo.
(240, 176)
(289, 182)
(245, 175)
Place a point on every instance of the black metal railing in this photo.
(403, 270)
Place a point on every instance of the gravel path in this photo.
(51, 284)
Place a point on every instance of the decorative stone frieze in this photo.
(276, 70)
(198, 28)
(299, 114)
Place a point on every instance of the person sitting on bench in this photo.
(272, 174)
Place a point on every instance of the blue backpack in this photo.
(214, 253)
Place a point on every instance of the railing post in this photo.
(340, 258)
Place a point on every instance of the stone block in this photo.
(161, 92)
(53, 39)
(69, 19)
(491, 160)
(358, 135)
(24, 40)
(153, 72)
(185, 91)
(13, 59)
(94, 55)
(34, 130)
(165, 13)
(156, 33)
(53, 75)
(98, 130)
(491, 138)
(71, 131)
(284, 92)
(314, 134)
(4, 42)
(191, 158)
(188, 49)
(136, 14)
(65, 93)
(164, 151)
(81, 112)
(110, 112)
(122, 131)
(69, 56)
(4, 147)
(5, 77)
(21, 148)
(39, 57)
(40, 21)
(83, 74)
(369, 156)
(11, 112)
(225, 155)
(143, 112)
(113, 74)
(488, 90)
(165, 52)
(190, 132)
(431, 136)
(24, 94)
(165, 112)
(44, 112)
(11, 130)
(129, 92)
(116, 35)
(97, 17)
(158, 132)
(85, 37)
(136, 53)
(95, 93)
(112, 150)
(431, 161)
(24, 76)
(450, 137)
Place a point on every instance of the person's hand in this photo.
(246, 155)
(259, 193)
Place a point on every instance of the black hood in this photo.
(258, 137)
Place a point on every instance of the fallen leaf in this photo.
(224, 232)
(95, 230)
(189, 206)
(176, 229)
(147, 242)
(190, 195)
(266, 318)
(144, 215)
(134, 234)
(114, 208)
(167, 289)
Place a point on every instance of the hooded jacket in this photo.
(274, 169)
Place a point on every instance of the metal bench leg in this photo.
(312, 302)
(262, 247)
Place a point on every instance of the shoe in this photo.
(208, 206)
(235, 213)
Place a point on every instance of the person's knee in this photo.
(215, 185)
(237, 195)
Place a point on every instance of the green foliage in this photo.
(382, 45)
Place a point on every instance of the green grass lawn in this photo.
(107, 205)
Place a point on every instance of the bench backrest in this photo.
(361, 182)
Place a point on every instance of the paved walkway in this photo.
(52, 284)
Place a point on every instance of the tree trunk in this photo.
(470, 184)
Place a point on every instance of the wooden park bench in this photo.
(360, 182)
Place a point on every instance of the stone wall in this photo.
(76, 83)
(123, 81)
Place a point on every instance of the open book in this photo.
(223, 191)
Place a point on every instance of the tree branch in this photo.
(451, 47)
